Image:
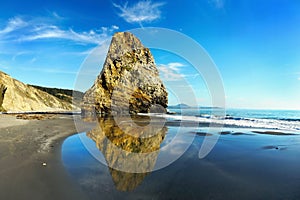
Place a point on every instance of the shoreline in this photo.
(42, 112)
(242, 164)
(25, 147)
(31, 156)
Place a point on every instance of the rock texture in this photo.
(2, 93)
(16, 96)
(70, 96)
(129, 82)
(128, 150)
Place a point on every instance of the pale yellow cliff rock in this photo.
(16, 96)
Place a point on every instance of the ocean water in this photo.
(283, 120)
(287, 115)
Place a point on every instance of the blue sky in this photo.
(255, 44)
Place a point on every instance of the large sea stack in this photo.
(129, 82)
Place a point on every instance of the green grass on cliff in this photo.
(63, 94)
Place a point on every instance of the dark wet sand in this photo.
(24, 147)
(26, 144)
(273, 133)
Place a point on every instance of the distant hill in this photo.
(185, 106)
(70, 96)
(180, 106)
(16, 96)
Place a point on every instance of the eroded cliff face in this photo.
(130, 147)
(2, 93)
(16, 96)
(129, 82)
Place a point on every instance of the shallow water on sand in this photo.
(242, 165)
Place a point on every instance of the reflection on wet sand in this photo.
(130, 146)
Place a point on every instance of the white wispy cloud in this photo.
(19, 54)
(57, 16)
(175, 66)
(219, 4)
(54, 32)
(12, 25)
(33, 60)
(171, 71)
(115, 27)
(18, 30)
(142, 11)
(298, 78)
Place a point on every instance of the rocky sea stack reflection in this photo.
(129, 82)
(128, 150)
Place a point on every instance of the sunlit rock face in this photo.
(2, 93)
(129, 82)
(130, 147)
(16, 96)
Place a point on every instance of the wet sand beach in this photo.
(245, 163)
(30, 159)
(45, 159)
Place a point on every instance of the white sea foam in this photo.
(277, 124)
